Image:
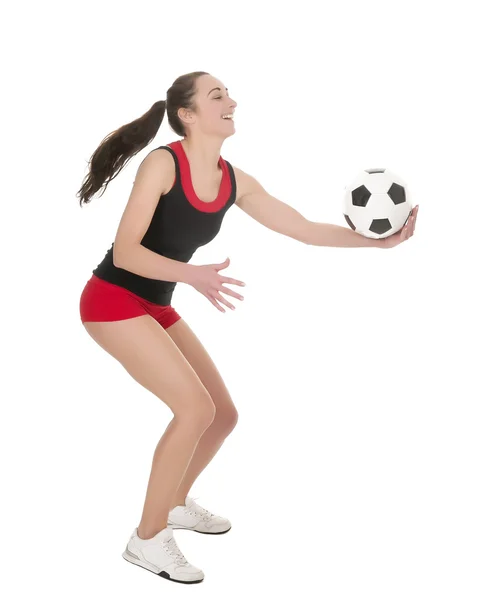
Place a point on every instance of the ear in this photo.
(186, 115)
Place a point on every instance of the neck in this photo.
(203, 154)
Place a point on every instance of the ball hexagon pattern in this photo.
(376, 203)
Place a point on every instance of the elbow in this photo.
(303, 238)
(120, 255)
(116, 258)
(303, 233)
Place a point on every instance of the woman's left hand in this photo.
(401, 236)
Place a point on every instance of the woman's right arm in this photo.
(154, 178)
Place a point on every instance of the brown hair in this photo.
(117, 148)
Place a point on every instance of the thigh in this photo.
(198, 357)
(150, 356)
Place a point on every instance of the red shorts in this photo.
(105, 301)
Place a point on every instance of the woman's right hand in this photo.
(206, 279)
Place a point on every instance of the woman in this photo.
(180, 196)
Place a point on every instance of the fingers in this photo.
(232, 281)
(415, 217)
(213, 301)
(218, 297)
(215, 297)
(222, 265)
(409, 228)
(411, 222)
(226, 290)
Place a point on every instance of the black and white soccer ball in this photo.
(377, 203)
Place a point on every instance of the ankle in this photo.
(147, 534)
(178, 502)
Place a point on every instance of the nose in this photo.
(233, 103)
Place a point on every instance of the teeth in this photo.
(230, 116)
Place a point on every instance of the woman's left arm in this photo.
(284, 219)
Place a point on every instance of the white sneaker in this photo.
(161, 555)
(196, 518)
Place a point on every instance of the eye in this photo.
(218, 98)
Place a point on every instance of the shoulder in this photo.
(245, 183)
(159, 156)
(158, 165)
(162, 155)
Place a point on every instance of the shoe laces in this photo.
(173, 550)
(199, 511)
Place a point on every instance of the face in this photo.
(212, 101)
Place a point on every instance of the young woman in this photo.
(180, 196)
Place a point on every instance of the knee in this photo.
(232, 419)
(200, 414)
(226, 420)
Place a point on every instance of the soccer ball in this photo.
(376, 203)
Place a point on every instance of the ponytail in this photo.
(118, 148)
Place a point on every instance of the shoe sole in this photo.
(130, 558)
(205, 532)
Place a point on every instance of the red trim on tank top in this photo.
(188, 189)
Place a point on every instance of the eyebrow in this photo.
(217, 88)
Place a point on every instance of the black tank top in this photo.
(181, 223)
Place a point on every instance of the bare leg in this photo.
(172, 455)
(151, 358)
(207, 448)
(226, 413)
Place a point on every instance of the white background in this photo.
(354, 471)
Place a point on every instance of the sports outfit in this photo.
(181, 223)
